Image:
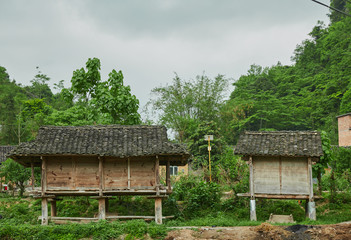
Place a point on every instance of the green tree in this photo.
(183, 105)
(15, 173)
(96, 102)
(199, 147)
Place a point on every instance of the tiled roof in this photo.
(4, 150)
(282, 143)
(109, 140)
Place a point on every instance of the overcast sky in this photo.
(149, 40)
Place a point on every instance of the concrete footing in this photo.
(253, 210)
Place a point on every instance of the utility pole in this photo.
(209, 138)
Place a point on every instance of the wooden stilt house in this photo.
(101, 162)
(280, 165)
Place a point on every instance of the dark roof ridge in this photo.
(281, 132)
(343, 115)
(280, 143)
(105, 126)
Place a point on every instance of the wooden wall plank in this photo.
(116, 173)
(59, 173)
(266, 175)
(295, 176)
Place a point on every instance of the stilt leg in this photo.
(102, 208)
(158, 210)
(312, 210)
(44, 211)
(253, 210)
(106, 205)
(53, 208)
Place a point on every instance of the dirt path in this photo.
(264, 231)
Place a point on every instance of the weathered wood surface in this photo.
(43, 176)
(32, 175)
(278, 196)
(102, 208)
(158, 210)
(116, 173)
(274, 175)
(44, 211)
(78, 173)
(294, 176)
(53, 208)
(64, 220)
(266, 175)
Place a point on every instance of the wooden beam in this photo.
(102, 208)
(168, 176)
(280, 175)
(44, 211)
(158, 210)
(32, 171)
(101, 177)
(157, 174)
(252, 194)
(310, 179)
(53, 208)
(74, 171)
(43, 176)
(277, 196)
(128, 173)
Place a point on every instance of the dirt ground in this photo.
(264, 231)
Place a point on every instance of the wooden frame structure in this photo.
(101, 162)
(280, 166)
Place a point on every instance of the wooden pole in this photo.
(128, 173)
(158, 210)
(44, 211)
(311, 207)
(253, 216)
(43, 175)
(101, 176)
(157, 175)
(53, 208)
(168, 176)
(102, 208)
(251, 178)
(74, 171)
(209, 157)
(32, 171)
(107, 204)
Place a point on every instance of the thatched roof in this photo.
(108, 140)
(282, 143)
(4, 150)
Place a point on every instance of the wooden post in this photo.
(311, 207)
(43, 176)
(101, 177)
(128, 173)
(158, 210)
(168, 176)
(252, 193)
(107, 204)
(53, 208)
(157, 175)
(74, 170)
(102, 208)
(32, 170)
(44, 211)
(251, 178)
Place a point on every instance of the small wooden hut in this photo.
(280, 165)
(101, 161)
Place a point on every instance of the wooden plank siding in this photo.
(280, 175)
(82, 173)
